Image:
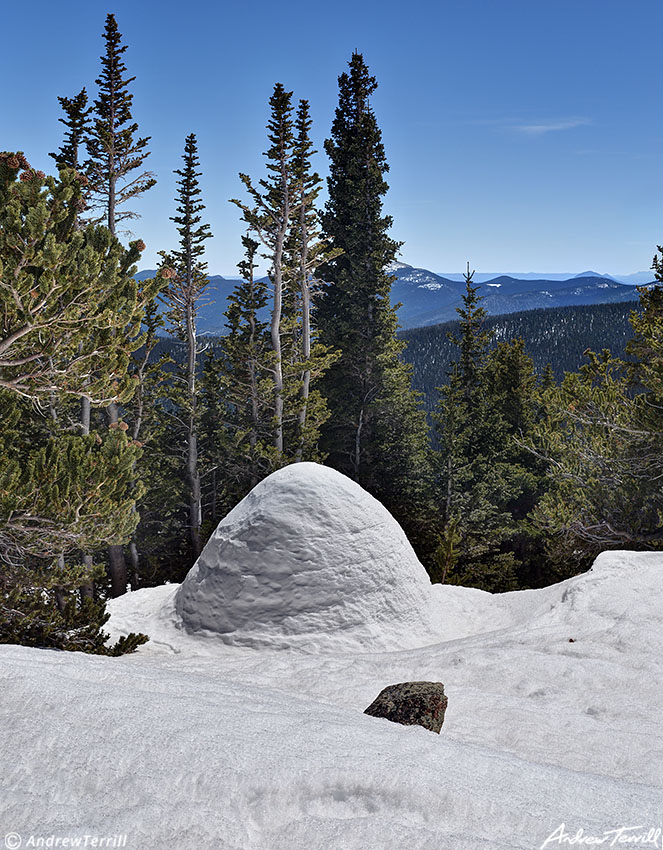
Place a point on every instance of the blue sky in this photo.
(522, 135)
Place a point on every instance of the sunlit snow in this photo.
(249, 733)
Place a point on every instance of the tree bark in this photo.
(87, 589)
(306, 325)
(195, 506)
(279, 242)
(117, 568)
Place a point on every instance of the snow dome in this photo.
(308, 552)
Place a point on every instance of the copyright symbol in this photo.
(13, 841)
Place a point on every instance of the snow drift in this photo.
(553, 714)
(553, 717)
(308, 553)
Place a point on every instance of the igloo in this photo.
(308, 554)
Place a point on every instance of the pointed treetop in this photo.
(76, 121)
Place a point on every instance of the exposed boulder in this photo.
(412, 704)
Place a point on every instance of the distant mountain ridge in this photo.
(427, 298)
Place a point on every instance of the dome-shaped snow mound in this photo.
(308, 555)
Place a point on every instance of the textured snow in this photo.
(553, 717)
(309, 553)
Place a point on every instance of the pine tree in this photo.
(307, 252)
(284, 220)
(270, 218)
(602, 438)
(188, 281)
(65, 293)
(114, 152)
(475, 479)
(76, 121)
(238, 389)
(61, 493)
(376, 432)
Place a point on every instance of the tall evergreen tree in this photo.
(306, 252)
(114, 154)
(282, 215)
(188, 281)
(270, 218)
(238, 389)
(483, 478)
(76, 120)
(113, 149)
(376, 432)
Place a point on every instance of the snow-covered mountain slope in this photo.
(553, 718)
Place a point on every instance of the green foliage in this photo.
(114, 151)
(29, 616)
(238, 392)
(71, 310)
(284, 220)
(76, 121)
(606, 460)
(64, 492)
(376, 432)
(554, 337)
(602, 437)
(487, 481)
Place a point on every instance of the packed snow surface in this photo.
(309, 552)
(195, 742)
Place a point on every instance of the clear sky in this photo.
(523, 135)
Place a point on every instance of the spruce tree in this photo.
(282, 216)
(114, 154)
(188, 280)
(474, 483)
(376, 432)
(270, 218)
(238, 390)
(113, 149)
(76, 120)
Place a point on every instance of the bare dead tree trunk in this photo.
(356, 461)
(195, 500)
(85, 416)
(306, 323)
(60, 595)
(87, 589)
(255, 401)
(276, 343)
(279, 242)
(117, 567)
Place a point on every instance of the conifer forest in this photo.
(126, 435)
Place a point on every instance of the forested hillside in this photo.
(557, 336)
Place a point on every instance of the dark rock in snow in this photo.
(412, 703)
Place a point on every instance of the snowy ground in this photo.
(194, 742)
